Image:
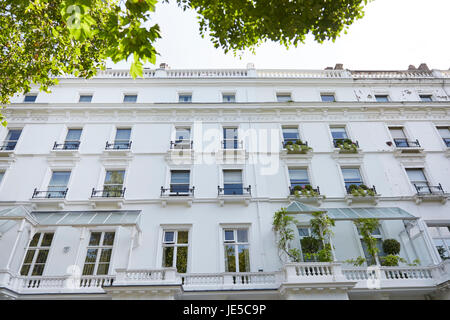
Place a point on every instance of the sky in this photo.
(392, 35)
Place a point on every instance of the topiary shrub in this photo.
(391, 247)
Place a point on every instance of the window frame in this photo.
(100, 247)
(80, 95)
(175, 245)
(181, 94)
(37, 249)
(30, 95)
(130, 94)
(328, 93)
(236, 243)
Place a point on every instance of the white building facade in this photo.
(165, 187)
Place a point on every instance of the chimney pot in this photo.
(411, 67)
(339, 66)
(423, 67)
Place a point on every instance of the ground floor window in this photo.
(99, 251)
(37, 253)
(175, 249)
(441, 239)
(237, 250)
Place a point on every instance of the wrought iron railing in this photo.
(118, 145)
(405, 143)
(232, 144)
(427, 189)
(340, 142)
(8, 145)
(179, 190)
(234, 190)
(292, 190)
(67, 145)
(108, 193)
(48, 194)
(181, 144)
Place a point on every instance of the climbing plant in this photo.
(282, 226)
(366, 227)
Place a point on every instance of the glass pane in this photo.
(229, 235)
(244, 258)
(182, 237)
(327, 97)
(233, 189)
(85, 98)
(229, 98)
(108, 239)
(351, 174)
(105, 255)
(169, 236)
(242, 235)
(444, 132)
(123, 134)
(73, 135)
(91, 256)
(25, 269)
(88, 269)
(60, 178)
(35, 240)
(426, 98)
(230, 133)
(30, 98)
(2, 173)
(185, 98)
(298, 174)
(114, 177)
(29, 256)
(13, 135)
(102, 269)
(230, 259)
(167, 257)
(290, 134)
(180, 176)
(303, 232)
(182, 134)
(232, 176)
(38, 270)
(416, 175)
(130, 98)
(283, 97)
(182, 256)
(382, 98)
(42, 256)
(95, 238)
(339, 133)
(397, 133)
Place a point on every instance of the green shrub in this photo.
(391, 246)
(310, 245)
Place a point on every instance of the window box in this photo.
(361, 193)
(306, 194)
(346, 145)
(296, 147)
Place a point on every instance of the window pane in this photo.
(232, 176)
(85, 98)
(35, 240)
(283, 97)
(47, 240)
(42, 256)
(303, 232)
(38, 270)
(244, 258)
(290, 134)
(108, 239)
(338, 133)
(167, 257)
(60, 178)
(351, 174)
(88, 269)
(183, 134)
(91, 256)
(30, 98)
(25, 269)
(102, 269)
(182, 256)
(185, 98)
(426, 97)
(180, 176)
(29, 256)
(298, 175)
(397, 133)
(444, 132)
(169, 236)
(242, 235)
(327, 97)
(13, 135)
(416, 175)
(381, 98)
(230, 133)
(73, 135)
(229, 235)
(228, 98)
(105, 255)
(95, 238)
(182, 237)
(130, 98)
(114, 177)
(123, 134)
(230, 259)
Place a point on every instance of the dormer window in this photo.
(426, 97)
(86, 98)
(130, 98)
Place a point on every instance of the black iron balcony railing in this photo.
(368, 190)
(340, 142)
(427, 189)
(234, 189)
(447, 142)
(178, 190)
(232, 144)
(67, 145)
(292, 190)
(108, 193)
(181, 144)
(405, 143)
(118, 145)
(8, 145)
(48, 194)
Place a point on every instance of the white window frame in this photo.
(37, 248)
(100, 247)
(284, 93)
(34, 94)
(328, 93)
(236, 244)
(175, 245)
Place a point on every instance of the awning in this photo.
(16, 213)
(382, 213)
(88, 218)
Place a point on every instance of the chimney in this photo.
(339, 66)
(423, 67)
(411, 67)
(328, 68)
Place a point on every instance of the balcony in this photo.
(112, 195)
(305, 193)
(407, 148)
(231, 151)
(305, 280)
(7, 148)
(430, 193)
(361, 193)
(49, 198)
(177, 193)
(234, 193)
(181, 151)
(66, 146)
(117, 148)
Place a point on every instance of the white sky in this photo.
(392, 35)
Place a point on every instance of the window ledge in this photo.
(234, 198)
(362, 199)
(59, 203)
(174, 199)
(106, 201)
(442, 198)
